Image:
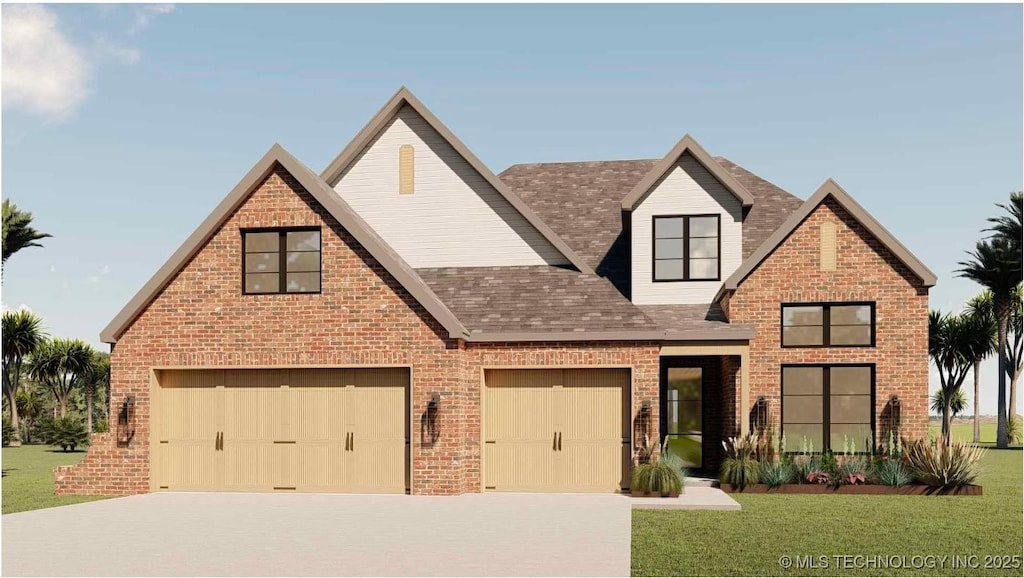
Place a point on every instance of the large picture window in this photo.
(828, 325)
(828, 407)
(281, 261)
(686, 248)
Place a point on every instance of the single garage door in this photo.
(307, 430)
(561, 430)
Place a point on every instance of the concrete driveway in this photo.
(189, 534)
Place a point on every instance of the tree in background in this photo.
(22, 336)
(954, 342)
(18, 232)
(957, 404)
(62, 365)
(98, 380)
(982, 305)
(996, 264)
(30, 409)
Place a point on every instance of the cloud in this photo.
(144, 16)
(95, 279)
(44, 72)
(121, 53)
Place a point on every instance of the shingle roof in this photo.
(548, 300)
(678, 319)
(533, 298)
(581, 202)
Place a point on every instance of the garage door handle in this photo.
(352, 444)
(559, 441)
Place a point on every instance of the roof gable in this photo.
(686, 145)
(337, 168)
(830, 189)
(324, 195)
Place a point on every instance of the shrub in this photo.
(806, 464)
(892, 472)
(942, 466)
(777, 473)
(1013, 432)
(819, 477)
(853, 470)
(8, 432)
(740, 467)
(66, 433)
(664, 476)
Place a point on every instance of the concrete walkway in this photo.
(693, 498)
(207, 534)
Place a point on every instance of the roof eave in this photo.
(687, 144)
(829, 188)
(658, 335)
(404, 96)
(334, 205)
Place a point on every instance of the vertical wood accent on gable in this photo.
(406, 169)
(828, 256)
(687, 189)
(455, 218)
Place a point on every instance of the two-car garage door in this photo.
(556, 430)
(314, 430)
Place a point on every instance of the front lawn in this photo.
(751, 542)
(28, 478)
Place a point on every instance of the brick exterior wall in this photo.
(362, 317)
(866, 271)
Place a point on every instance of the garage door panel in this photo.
(284, 429)
(556, 430)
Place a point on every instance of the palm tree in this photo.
(992, 266)
(62, 365)
(18, 232)
(957, 404)
(954, 342)
(22, 334)
(980, 306)
(99, 377)
(1010, 226)
(30, 406)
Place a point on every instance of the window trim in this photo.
(826, 396)
(282, 268)
(686, 248)
(826, 325)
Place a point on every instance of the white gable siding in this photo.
(454, 218)
(687, 189)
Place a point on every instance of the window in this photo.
(828, 325)
(828, 407)
(281, 261)
(686, 248)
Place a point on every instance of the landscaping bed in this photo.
(862, 490)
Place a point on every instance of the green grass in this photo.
(964, 432)
(750, 542)
(28, 478)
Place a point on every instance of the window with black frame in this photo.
(686, 248)
(281, 261)
(828, 324)
(828, 407)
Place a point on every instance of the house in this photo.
(408, 321)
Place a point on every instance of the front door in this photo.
(682, 416)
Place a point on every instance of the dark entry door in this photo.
(682, 415)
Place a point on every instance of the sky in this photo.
(124, 125)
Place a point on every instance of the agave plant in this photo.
(892, 472)
(943, 466)
(777, 473)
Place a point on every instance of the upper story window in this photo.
(687, 248)
(828, 325)
(281, 260)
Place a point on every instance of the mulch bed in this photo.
(868, 489)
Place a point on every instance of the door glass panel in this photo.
(684, 415)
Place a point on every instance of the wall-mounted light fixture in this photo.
(894, 413)
(760, 414)
(645, 407)
(126, 422)
(428, 424)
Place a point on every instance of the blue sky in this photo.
(123, 126)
